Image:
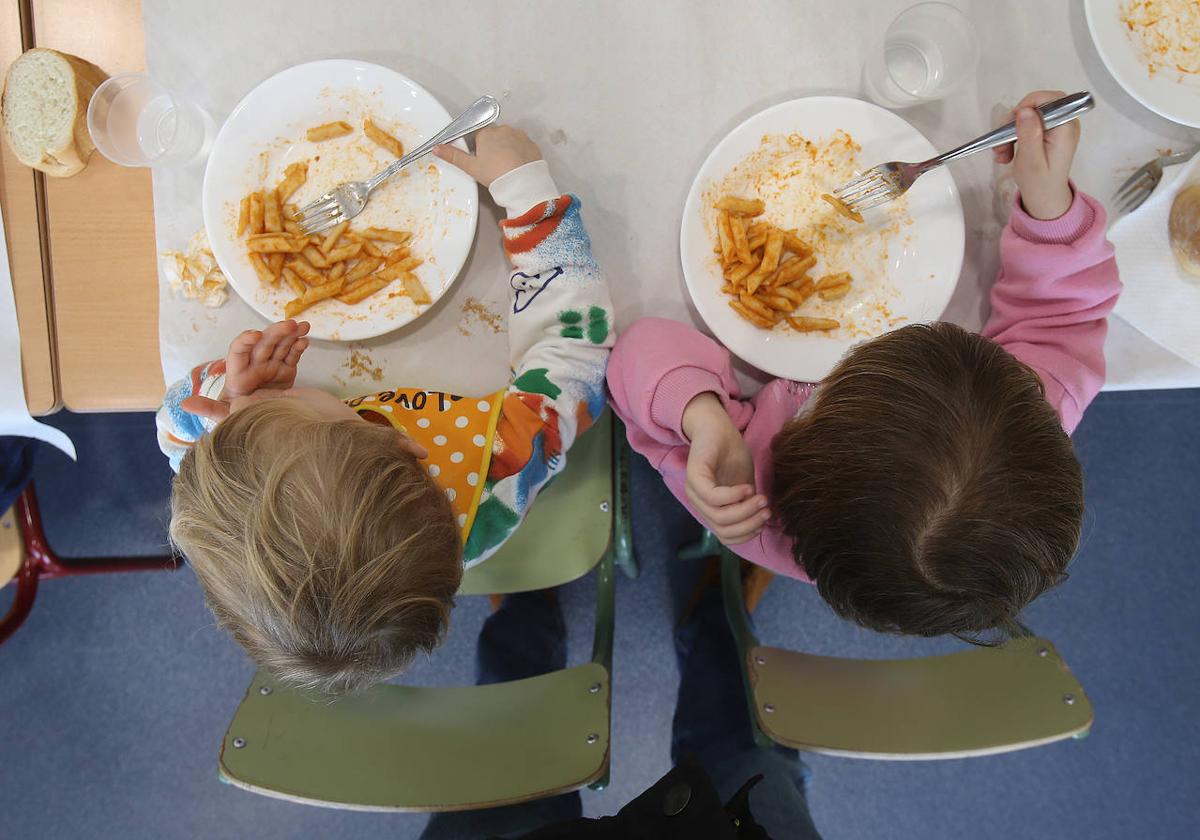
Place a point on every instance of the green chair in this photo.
(409, 748)
(974, 702)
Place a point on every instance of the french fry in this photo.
(757, 320)
(314, 294)
(372, 250)
(741, 246)
(378, 135)
(741, 206)
(271, 221)
(397, 254)
(293, 280)
(313, 254)
(363, 290)
(779, 303)
(741, 271)
(327, 131)
(790, 270)
(294, 176)
(414, 288)
(408, 263)
(293, 228)
(834, 286)
(772, 251)
(724, 237)
(797, 295)
(757, 239)
(271, 243)
(730, 289)
(302, 267)
(793, 243)
(243, 216)
(336, 270)
(399, 237)
(261, 269)
(802, 323)
(256, 213)
(842, 208)
(755, 228)
(343, 252)
(331, 238)
(362, 269)
(756, 306)
(275, 263)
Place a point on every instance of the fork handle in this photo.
(1053, 114)
(482, 112)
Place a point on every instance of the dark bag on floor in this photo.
(682, 805)
(16, 467)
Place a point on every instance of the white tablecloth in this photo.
(626, 98)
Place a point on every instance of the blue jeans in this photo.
(526, 637)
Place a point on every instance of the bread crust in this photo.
(1183, 228)
(73, 156)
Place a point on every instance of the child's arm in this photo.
(1058, 279)
(676, 392)
(257, 360)
(560, 328)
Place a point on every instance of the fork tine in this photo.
(882, 198)
(858, 185)
(861, 201)
(320, 226)
(314, 206)
(1140, 173)
(1133, 201)
(1146, 182)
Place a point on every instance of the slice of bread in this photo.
(44, 109)
(1183, 228)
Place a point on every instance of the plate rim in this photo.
(241, 105)
(1090, 9)
(693, 198)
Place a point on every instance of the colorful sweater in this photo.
(560, 335)
(1058, 282)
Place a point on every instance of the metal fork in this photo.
(889, 181)
(348, 200)
(1138, 187)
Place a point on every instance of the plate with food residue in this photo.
(787, 278)
(1152, 49)
(298, 135)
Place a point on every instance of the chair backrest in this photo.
(968, 703)
(407, 748)
(575, 510)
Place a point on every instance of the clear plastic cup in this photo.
(928, 52)
(135, 121)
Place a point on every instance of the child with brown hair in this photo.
(927, 485)
(330, 536)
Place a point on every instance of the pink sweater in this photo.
(1057, 284)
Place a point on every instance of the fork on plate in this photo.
(1138, 187)
(348, 200)
(889, 181)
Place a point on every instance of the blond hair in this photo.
(930, 488)
(322, 546)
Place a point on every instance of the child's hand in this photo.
(499, 149)
(257, 360)
(720, 473)
(1042, 160)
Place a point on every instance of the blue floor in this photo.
(116, 692)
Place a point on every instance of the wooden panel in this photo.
(19, 204)
(101, 225)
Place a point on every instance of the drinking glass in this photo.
(135, 121)
(927, 52)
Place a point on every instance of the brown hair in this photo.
(930, 487)
(322, 545)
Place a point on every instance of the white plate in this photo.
(923, 262)
(265, 132)
(1163, 93)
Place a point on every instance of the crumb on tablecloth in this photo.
(476, 311)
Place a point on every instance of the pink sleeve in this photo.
(1058, 283)
(656, 368)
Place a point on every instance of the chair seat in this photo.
(408, 748)
(974, 702)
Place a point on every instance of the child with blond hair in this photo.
(330, 535)
(927, 485)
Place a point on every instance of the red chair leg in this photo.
(27, 584)
(50, 565)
